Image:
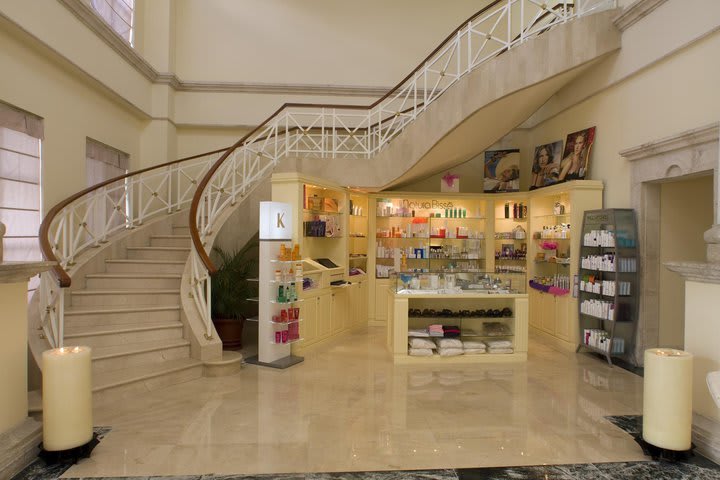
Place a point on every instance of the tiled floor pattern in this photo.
(347, 408)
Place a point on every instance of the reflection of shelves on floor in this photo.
(253, 279)
(285, 282)
(274, 260)
(286, 343)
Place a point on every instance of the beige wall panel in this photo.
(686, 211)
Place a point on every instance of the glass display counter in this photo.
(457, 317)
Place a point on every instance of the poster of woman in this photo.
(502, 171)
(576, 158)
(546, 165)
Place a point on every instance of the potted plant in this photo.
(231, 289)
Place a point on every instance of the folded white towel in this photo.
(449, 343)
(420, 352)
(500, 350)
(499, 343)
(449, 352)
(415, 342)
(418, 332)
(474, 351)
(473, 344)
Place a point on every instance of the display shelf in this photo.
(253, 299)
(284, 282)
(608, 240)
(275, 260)
(252, 319)
(553, 215)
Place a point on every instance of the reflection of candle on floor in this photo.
(67, 398)
(667, 398)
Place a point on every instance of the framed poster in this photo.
(502, 171)
(546, 164)
(576, 157)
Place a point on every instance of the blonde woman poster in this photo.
(576, 158)
(502, 171)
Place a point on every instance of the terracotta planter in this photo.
(230, 331)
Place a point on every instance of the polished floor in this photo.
(347, 408)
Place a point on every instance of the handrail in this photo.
(46, 249)
(559, 11)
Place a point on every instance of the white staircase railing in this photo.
(90, 217)
(351, 131)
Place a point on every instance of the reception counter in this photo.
(470, 311)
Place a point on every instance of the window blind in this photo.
(118, 14)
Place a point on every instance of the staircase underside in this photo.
(479, 109)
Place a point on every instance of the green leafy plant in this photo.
(230, 285)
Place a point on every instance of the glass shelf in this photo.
(286, 343)
(494, 319)
(477, 335)
(511, 259)
(324, 236)
(274, 260)
(288, 322)
(453, 258)
(432, 218)
(523, 219)
(284, 303)
(361, 216)
(285, 282)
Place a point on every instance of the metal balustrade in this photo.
(304, 130)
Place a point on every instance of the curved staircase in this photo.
(142, 300)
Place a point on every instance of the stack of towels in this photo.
(436, 330)
(449, 347)
(499, 346)
(420, 347)
(474, 347)
(451, 331)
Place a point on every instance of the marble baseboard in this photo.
(706, 436)
(18, 447)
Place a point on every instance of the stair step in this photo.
(146, 315)
(170, 241)
(145, 378)
(102, 336)
(132, 280)
(120, 357)
(181, 229)
(158, 253)
(144, 266)
(86, 298)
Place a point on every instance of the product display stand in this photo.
(608, 282)
(275, 330)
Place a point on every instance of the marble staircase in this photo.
(130, 314)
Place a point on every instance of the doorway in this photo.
(686, 211)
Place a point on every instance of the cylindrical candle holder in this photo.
(667, 399)
(66, 398)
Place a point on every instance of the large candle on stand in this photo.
(66, 398)
(667, 398)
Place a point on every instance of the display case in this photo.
(553, 259)
(357, 234)
(457, 282)
(608, 283)
(422, 235)
(510, 234)
(481, 315)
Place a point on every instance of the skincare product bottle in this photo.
(507, 209)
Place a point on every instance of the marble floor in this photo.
(347, 408)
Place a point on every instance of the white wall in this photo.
(323, 42)
(72, 110)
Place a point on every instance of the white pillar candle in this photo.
(667, 398)
(67, 398)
